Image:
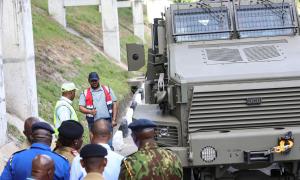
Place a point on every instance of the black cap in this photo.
(70, 129)
(141, 124)
(93, 76)
(93, 150)
(42, 125)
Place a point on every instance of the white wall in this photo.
(3, 121)
(18, 58)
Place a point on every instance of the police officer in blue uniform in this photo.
(19, 165)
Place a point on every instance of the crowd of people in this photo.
(96, 160)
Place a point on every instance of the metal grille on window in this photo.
(201, 23)
(265, 19)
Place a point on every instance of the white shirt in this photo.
(113, 166)
(77, 171)
(111, 171)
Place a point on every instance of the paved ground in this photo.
(128, 147)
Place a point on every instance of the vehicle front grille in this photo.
(230, 109)
(166, 135)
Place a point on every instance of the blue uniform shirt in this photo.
(19, 165)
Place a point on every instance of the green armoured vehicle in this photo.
(223, 84)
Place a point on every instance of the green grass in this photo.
(43, 4)
(48, 94)
(45, 28)
(89, 14)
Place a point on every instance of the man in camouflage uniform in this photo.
(150, 162)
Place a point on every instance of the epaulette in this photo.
(19, 151)
(66, 159)
(11, 157)
(129, 169)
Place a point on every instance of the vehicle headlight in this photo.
(208, 154)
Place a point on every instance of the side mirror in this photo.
(135, 56)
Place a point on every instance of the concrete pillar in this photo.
(138, 19)
(155, 8)
(18, 59)
(57, 10)
(110, 25)
(3, 121)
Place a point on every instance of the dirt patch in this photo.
(55, 59)
(93, 32)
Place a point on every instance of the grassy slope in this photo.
(61, 57)
(87, 21)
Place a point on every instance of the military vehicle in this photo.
(223, 85)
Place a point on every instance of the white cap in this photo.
(68, 86)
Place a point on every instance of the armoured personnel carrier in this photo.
(223, 85)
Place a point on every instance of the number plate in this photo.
(254, 101)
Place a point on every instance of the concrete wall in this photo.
(3, 121)
(110, 25)
(138, 19)
(18, 59)
(57, 10)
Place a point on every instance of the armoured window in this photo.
(201, 23)
(265, 19)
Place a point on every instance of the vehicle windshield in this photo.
(203, 22)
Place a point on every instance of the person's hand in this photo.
(93, 112)
(114, 123)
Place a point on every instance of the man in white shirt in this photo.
(101, 134)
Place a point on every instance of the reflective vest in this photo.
(89, 100)
(57, 122)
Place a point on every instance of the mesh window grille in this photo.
(268, 19)
(201, 24)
